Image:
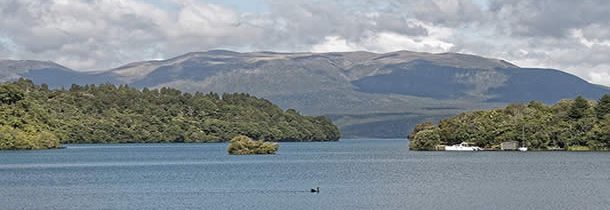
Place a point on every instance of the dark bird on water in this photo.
(317, 190)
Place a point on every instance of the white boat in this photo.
(462, 147)
(522, 149)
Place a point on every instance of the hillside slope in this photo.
(367, 94)
(34, 117)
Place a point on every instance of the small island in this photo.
(571, 125)
(36, 117)
(243, 145)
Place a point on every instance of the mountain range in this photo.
(366, 94)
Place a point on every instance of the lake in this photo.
(351, 174)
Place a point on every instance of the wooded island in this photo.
(36, 117)
(574, 125)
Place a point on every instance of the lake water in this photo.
(351, 174)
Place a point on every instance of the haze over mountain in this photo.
(366, 94)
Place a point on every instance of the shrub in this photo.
(243, 145)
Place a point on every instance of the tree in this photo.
(603, 106)
(579, 108)
(243, 145)
(9, 94)
(425, 140)
(420, 127)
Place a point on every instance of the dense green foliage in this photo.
(243, 145)
(34, 117)
(570, 124)
(603, 107)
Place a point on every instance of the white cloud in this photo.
(107, 33)
(600, 77)
(84, 34)
(381, 43)
(578, 34)
(388, 41)
(335, 44)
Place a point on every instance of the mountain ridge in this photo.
(414, 86)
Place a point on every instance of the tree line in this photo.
(36, 117)
(569, 124)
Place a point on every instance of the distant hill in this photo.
(366, 94)
(51, 73)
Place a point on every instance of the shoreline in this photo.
(529, 150)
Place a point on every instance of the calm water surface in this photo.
(352, 174)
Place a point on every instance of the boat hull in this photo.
(462, 148)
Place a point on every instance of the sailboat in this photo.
(523, 148)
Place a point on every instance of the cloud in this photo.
(105, 33)
(569, 35)
(548, 18)
(600, 77)
(388, 41)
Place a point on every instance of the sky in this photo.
(573, 36)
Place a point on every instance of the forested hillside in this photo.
(366, 94)
(570, 124)
(36, 117)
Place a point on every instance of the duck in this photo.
(316, 190)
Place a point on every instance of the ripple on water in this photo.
(352, 174)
